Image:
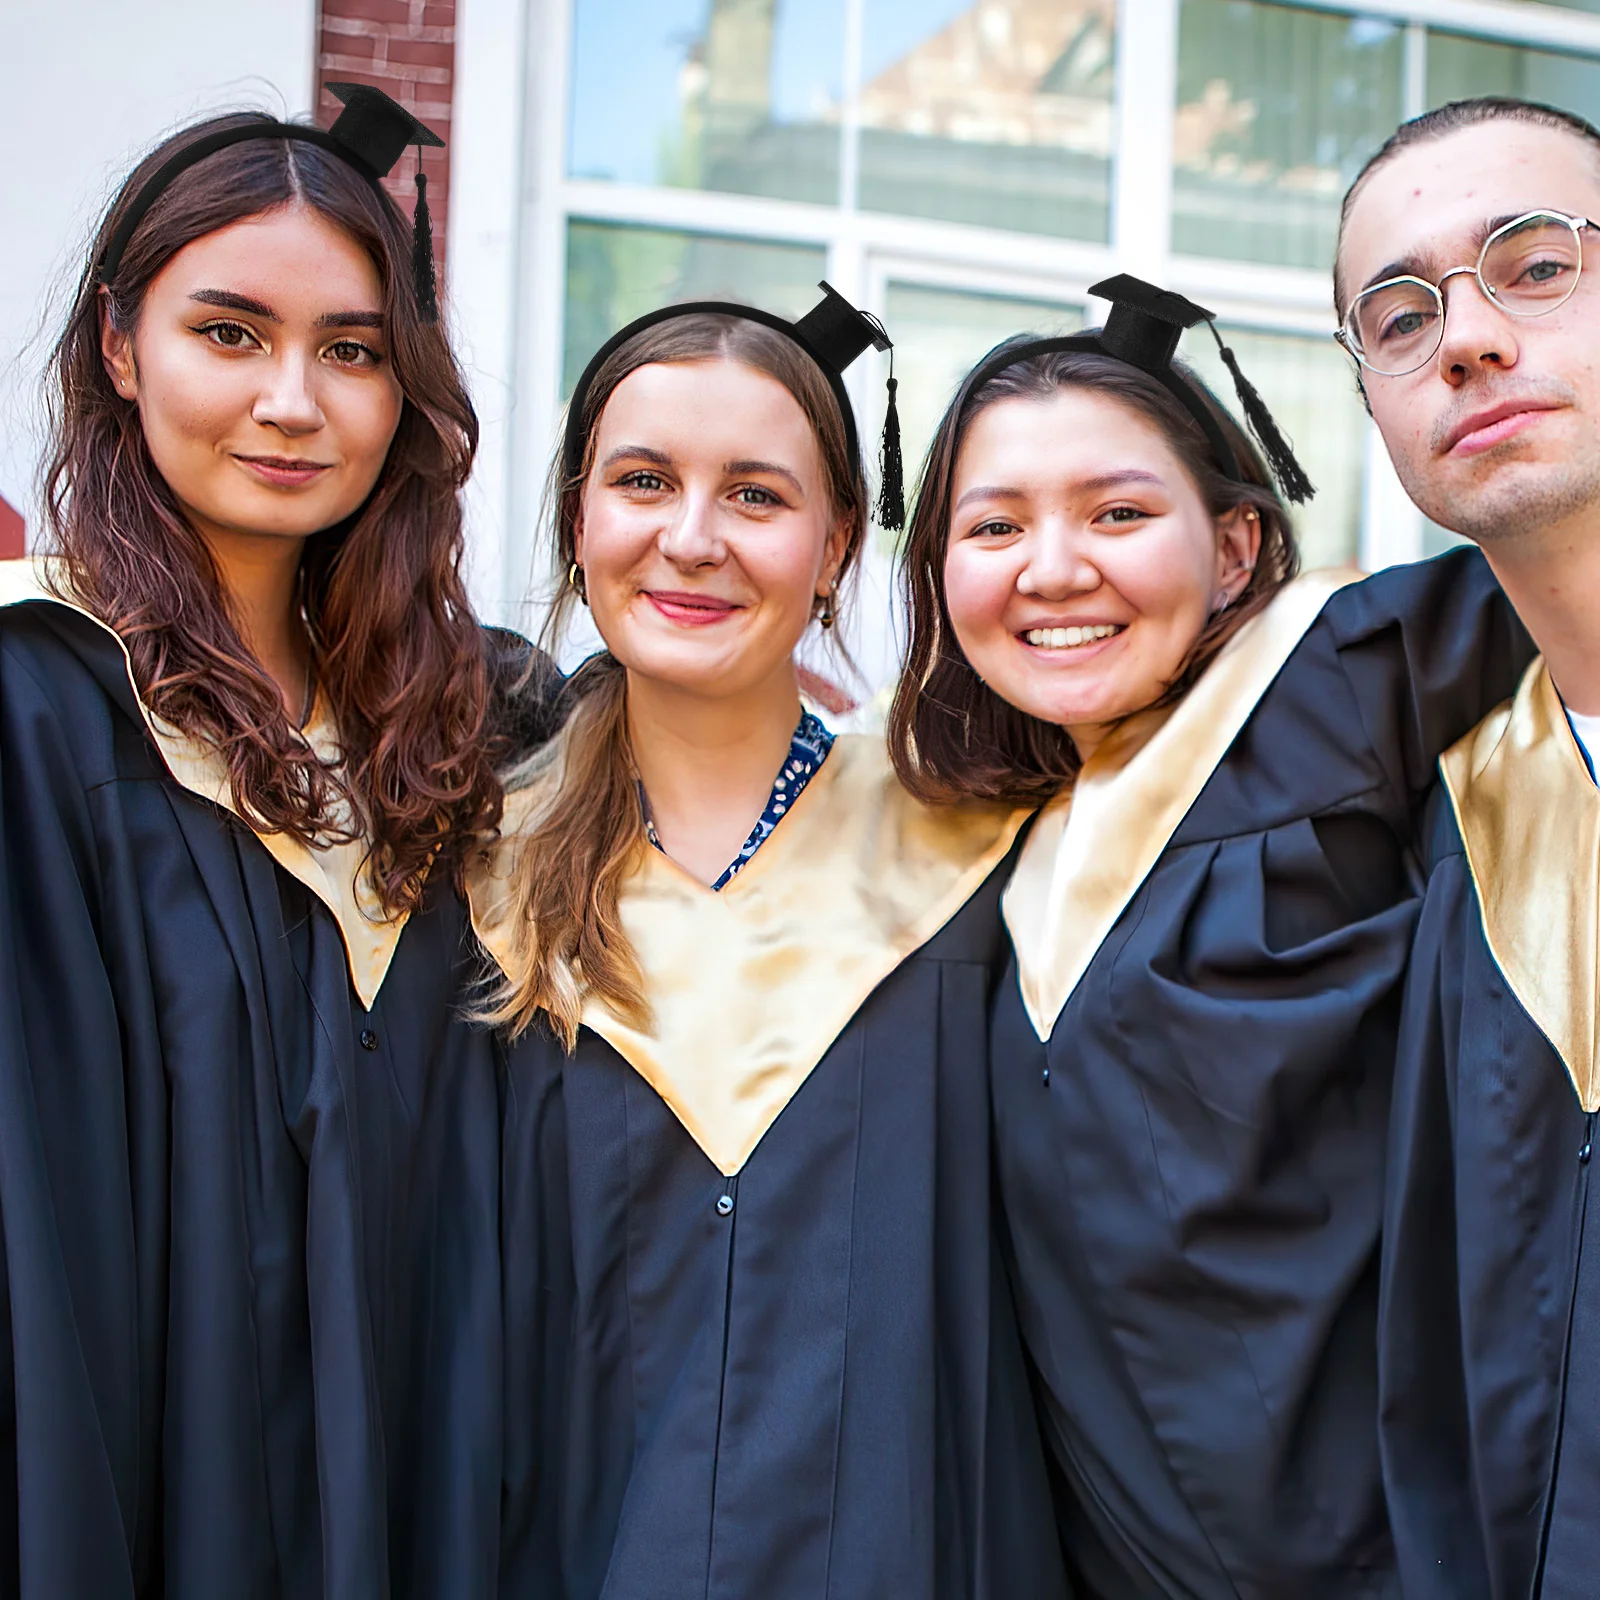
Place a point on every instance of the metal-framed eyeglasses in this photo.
(1527, 268)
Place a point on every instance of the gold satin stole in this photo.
(1093, 845)
(1529, 816)
(335, 873)
(750, 985)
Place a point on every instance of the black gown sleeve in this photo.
(1429, 650)
(1423, 1430)
(535, 1235)
(78, 1090)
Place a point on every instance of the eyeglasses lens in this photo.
(1396, 326)
(1532, 267)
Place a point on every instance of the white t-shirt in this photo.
(1587, 732)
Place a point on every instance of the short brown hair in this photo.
(588, 829)
(1440, 123)
(951, 736)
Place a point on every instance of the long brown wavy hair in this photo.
(950, 735)
(399, 657)
(586, 830)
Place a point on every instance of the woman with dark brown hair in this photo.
(746, 1152)
(1192, 1049)
(248, 1146)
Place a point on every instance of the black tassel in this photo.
(892, 472)
(1291, 476)
(422, 272)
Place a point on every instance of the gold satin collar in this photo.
(750, 985)
(1096, 842)
(1529, 815)
(335, 873)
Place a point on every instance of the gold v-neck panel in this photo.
(1094, 844)
(335, 873)
(1529, 816)
(750, 985)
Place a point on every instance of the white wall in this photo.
(88, 85)
(488, 168)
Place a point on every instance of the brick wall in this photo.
(11, 530)
(407, 48)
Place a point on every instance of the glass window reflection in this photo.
(615, 274)
(1460, 68)
(996, 113)
(939, 336)
(1308, 386)
(1278, 108)
(735, 95)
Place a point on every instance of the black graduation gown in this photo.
(1490, 1325)
(1191, 1166)
(790, 1368)
(250, 1301)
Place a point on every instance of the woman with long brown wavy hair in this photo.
(1192, 1048)
(746, 1148)
(248, 1146)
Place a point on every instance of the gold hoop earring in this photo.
(577, 583)
(827, 618)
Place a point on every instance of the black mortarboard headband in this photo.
(833, 333)
(370, 134)
(1143, 329)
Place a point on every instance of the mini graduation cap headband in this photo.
(370, 134)
(833, 333)
(1143, 330)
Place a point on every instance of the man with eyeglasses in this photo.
(1461, 286)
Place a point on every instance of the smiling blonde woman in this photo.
(747, 1140)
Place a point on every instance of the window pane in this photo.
(1277, 110)
(737, 95)
(615, 274)
(997, 114)
(939, 336)
(1308, 387)
(1461, 68)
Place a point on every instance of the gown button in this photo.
(1584, 1153)
(725, 1205)
(369, 1040)
(1044, 1077)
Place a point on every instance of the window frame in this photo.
(867, 250)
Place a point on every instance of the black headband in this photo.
(1143, 330)
(833, 333)
(370, 134)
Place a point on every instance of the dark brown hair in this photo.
(1448, 119)
(399, 658)
(586, 830)
(951, 736)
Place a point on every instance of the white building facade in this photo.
(963, 170)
